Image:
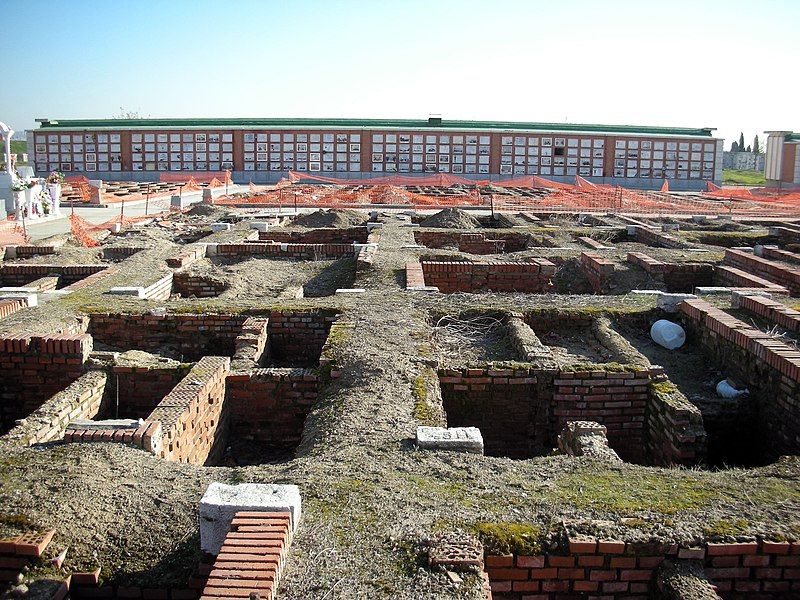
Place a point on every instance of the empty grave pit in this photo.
(566, 368)
(247, 408)
(480, 242)
(46, 278)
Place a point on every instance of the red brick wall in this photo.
(677, 277)
(20, 275)
(269, 406)
(531, 277)
(616, 570)
(294, 251)
(255, 539)
(196, 285)
(774, 311)
(191, 415)
(33, 369)
(10, 306)
(139, 390)
(512, 242)
(332, 235)
(737, 278)
(597, 269)
(193, 336)
(651, 237)
(779, 274)
(296, 338)
(769, 367)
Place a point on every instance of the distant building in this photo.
(782, 166)
(743, 161)
(265, 150)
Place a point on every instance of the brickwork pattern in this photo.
(187, 256)
(740, 280)
(598, 270)
(252, 557)
(285, 250)
(136, 391)
(777, 273)
(534, 276)
(474, 243)
(11, 305)
(332, 235)
(71, 275)
(677, 277)
(646, 235)
(616, 570)
(33, 369)
(251, 344)
(192, 414)
(764, 363)
(80, 400)
(270, 406)
(778, 254)
(197, 285)
(774, 311)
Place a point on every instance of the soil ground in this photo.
(370, 499)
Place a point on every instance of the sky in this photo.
(726, 64)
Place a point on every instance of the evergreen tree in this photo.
(734, 146)
(756, 147)
(749, 149)
(741, 142)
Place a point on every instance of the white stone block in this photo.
(371, 226)
(259, 225)
(350, 291)
(669, 302)
(139, 292)
(211, 249)
(459, 439)
(220, 227)
(221, 502)
(30, 298)
(631, 229)
(423, 288)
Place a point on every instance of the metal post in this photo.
(122, 212)
(147, 200)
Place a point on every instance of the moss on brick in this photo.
(510, 538)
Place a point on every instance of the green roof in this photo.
(368, 124)
(793, 137)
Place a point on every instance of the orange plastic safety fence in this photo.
(78, 227)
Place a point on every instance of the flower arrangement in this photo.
(55, 177)
(19, 186)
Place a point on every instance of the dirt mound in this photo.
(203, 210)
(330, 218)
(451, 218)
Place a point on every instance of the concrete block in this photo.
(631, 230)
(648, 292)
(259, 225)
(423, 288)
(669, 302)
(221, 502)
(350, 291)
(713, 290)
(29, 296)
(670, 227)
(211, 249)
(699, 218)
(220, 227)
(371, 226)
(105, 424)
(748, 249)
(459, 439)
(724, 218)
(139, 292)
(11, 252)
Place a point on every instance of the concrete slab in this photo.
(669, 302)
(220, 227)
(221, 502)
(459, 439)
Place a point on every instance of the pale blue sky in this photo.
(726, 64)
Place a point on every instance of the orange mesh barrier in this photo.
(665, 186)
(198, 177)
(11, 233)
(78, 227)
